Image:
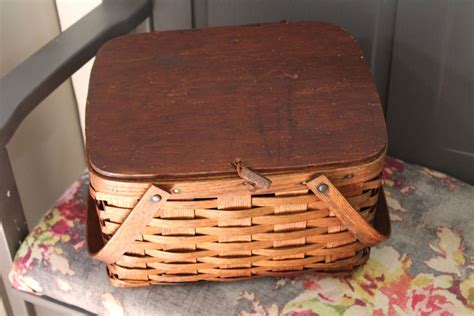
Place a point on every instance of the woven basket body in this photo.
(216, 229)
(169, 112)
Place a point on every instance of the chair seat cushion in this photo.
(424, 268)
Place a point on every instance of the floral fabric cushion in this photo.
(426, 268)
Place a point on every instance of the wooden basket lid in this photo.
(281, 96)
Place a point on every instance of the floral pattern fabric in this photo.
(425, 268)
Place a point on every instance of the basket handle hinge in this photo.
(110, 251)
(367, 234)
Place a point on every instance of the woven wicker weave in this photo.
(282, 230)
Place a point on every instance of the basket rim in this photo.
(211, 186)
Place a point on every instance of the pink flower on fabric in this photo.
(74, 210)
(397, 292)
(394, 165)
(68, 209)
(24, 262)
(60, 228)
(310, 285)
(431, 300)
(392, 176)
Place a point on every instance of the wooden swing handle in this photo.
(110, 251)
(367, 234)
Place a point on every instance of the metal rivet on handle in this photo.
(156, 198)
(322, 187)
(176, 190)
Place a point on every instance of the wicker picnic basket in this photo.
(233, 152)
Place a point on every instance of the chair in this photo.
(423, 267)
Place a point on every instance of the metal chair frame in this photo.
(22, 90)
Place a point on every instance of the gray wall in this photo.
(430, 104)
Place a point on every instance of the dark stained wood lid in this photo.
(186, 103)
